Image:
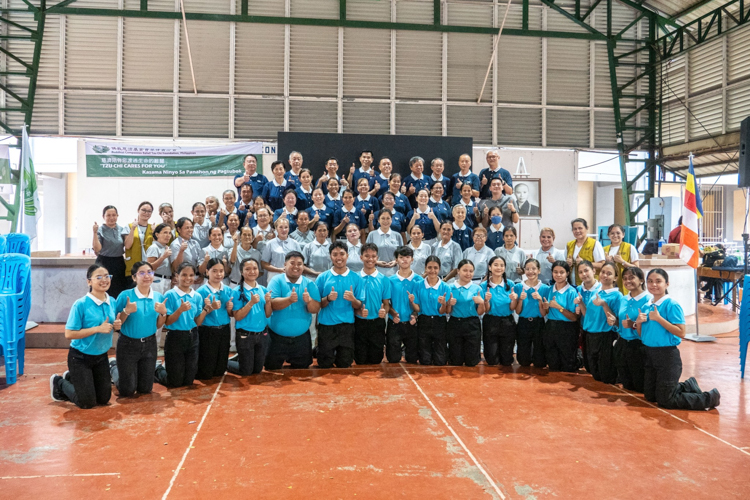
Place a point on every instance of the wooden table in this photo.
(724, 276)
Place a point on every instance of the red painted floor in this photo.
(387, 431)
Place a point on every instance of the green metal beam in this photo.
(41, 17)
(144, 5)
(322, 22)
(591, 9)
(690, 9)
(342, 9)
(618, 130)
(436, 12)
(19, 26)
(551, 4)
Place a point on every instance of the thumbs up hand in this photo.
(452, 300)
(306, 296)
(477, 299)
(523, 295)
(611, 319)
(550, 258)
(578, 300)
(184, 306)
(598, 301)
(364, 312)
(654, 314)
(268, 297)
(488, 296)
(381, 312)
(230, 305)
(130, 307)
(513, 295)
(96, 227)
(545, 304)
(118, 323)
(642, 318)
(293, 295)
(254, 299)
(215, 303)
(349, 295)
(442, 299)
(105, 327)
(411, 297)
(207, 302)
(333, 295)
(161, 307)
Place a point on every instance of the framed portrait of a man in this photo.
(528, 192)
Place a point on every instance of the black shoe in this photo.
(54, 390)
(691, 385)
(66, 375)
(714, 398)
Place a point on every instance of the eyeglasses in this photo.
(146, 211)
(142, 274)
(103, 277)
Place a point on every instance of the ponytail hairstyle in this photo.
(583, 263)
(564, 265)
(433, 258)
(463, 262)
(92, 268)
(614, 268)
(213, 262)
(109, 207)
(489, 272)
(638, 273)
(241, 286)
(535, 262)
(138, 265)
(661, 272)
(184, 266)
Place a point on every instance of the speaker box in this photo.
(744, 153)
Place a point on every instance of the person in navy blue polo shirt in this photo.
(341, 293)
(416, 181)
(494, 171)
(251, 176)
(347, 214)
(273, 191)
(295, 163)
(294, 299)
(364, 172)
(437, 166)
(465, 176)
(87, 382)
(141, 311)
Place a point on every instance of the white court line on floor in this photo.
(466, 449)
(190, 445)
(681, 420)
(62, 475)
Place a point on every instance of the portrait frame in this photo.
(531, 206)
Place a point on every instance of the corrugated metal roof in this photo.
(671, 8)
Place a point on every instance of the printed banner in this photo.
(108, 159)
(4, 164)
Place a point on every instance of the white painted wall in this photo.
(557, 169)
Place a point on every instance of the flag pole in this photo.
(696, 337)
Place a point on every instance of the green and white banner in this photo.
(4, 164)
(112, 159)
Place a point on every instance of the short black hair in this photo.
(338, 244)
(404, 251)
(292, 254)
(368, 246)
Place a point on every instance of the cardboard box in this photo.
(671, 249)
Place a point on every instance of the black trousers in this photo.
(297, 350)
(180, 358)
(213, 351)
(499, 338)
(630, 362)
(251, 349)
(90, 383)
(530, 338)
(561, 345)
(464, 338)
(136, 359)
(369, 341)
(601, 356)
(336, 345)
(432, 340)
(398, 334)
(662, 381)
(116, 267)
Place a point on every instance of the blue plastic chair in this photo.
(15, 279)
(3, 244)
(18, 243)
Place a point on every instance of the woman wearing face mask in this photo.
(621, 253)
(139, 238)
(186, 249)
(512, 254)
(87, 382)
(142, 312)
(447, 250)
(495, 231)
(547, 254)
(109, 246)
(214, 333)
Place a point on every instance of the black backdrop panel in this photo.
(316, 148)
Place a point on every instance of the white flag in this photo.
(30, 210)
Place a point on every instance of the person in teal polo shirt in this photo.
(251, 312)
(498, 325)
(432, 305)
(628, 349)
(529, 307)
(464, 329)
(561, 329)
(186, 310)
(401, 333)
(341, 293)
(87, 382)
(142, 312)
(214, 333)
(369, 320)
(662, 326)
(294, 299)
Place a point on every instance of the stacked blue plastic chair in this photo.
(21, 243)
(15, 276)
(2, 244)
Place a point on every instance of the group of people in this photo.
(306, 269)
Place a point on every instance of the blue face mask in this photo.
(496, 219)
